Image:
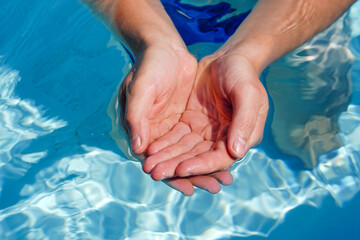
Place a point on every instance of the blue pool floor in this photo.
(329, 222)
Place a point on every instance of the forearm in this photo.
(276, 27)
(141, 23)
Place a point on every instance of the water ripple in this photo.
(96, 193)
(20, 120)
(316, 77)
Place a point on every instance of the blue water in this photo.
(64, 168)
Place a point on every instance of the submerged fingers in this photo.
(207, 183)
(211, 183)
(224, 177)
(181, 184)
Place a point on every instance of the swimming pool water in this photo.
(63, 174)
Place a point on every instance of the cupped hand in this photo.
(224, 118)
(153, 97)
(155, 92)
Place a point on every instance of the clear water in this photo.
(63, 174)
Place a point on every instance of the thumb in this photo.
(246, 103)
(139, 101)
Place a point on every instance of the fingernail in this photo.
(135, 142)
(239, 146)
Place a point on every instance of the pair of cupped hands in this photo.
(192, 120)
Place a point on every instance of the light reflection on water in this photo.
(75, 184)
(310, 88)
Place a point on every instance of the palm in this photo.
(171, 103)
(162, 80)
(199, 143)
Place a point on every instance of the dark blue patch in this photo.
(203, 24)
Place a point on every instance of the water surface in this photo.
(63, 175)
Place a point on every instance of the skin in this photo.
(228, 104)
(154, 94)
(220, 107)
(169, 91)
(193, 120)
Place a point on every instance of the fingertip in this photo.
(237, 147)
(228, 180)
(154, 148)
(224, 177)
(146, 167)
(162, 171)
(188, 192)
(139, 150)
(154, 161)
(214, 189)
(182, 185)
(157, 175)
(207, 183)
(136, 144)
(148, 164)
(139, 137)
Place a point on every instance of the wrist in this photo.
(259, 50)
(161, 36)
(142, 24)
(151, 37)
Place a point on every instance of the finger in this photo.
(257, 135)
(140, 99)
(210, 183)
(181, 184)
(224, 177)
(207, 183)
(170, 138)
(186, 144)
(208, 162)
(166, 169)
(246, 104)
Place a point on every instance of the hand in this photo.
(224, 118)
(152, 98)
(155, 92)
